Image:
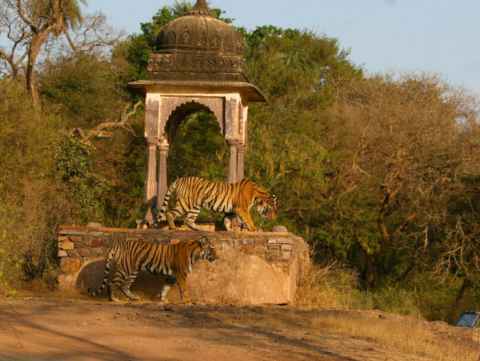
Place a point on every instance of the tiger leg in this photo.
(184, 297)
(172, 215)
(117, 282)
(125, 287)
(247, 219)
(192, 216)
(169, 282)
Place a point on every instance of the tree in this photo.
(42, 19)
(300, 74)
(16, 35)
(401, 156)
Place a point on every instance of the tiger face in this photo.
(207, 250)
(267, 207)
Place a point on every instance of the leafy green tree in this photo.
(300, 74)
(84, 88)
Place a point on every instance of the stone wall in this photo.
(253, 268)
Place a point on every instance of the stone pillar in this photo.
(240, 162)
(162, 171)
(151, 181)
(233, 165)
(152, 111)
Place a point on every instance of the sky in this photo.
(383, 36)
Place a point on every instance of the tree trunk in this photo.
(35, 46)
(466, 285)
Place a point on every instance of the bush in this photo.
(31, 201)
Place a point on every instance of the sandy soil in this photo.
(77, 330)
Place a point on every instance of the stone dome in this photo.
(198, 46)
(199, 31)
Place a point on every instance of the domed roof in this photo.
(198, 46)
(200, 31)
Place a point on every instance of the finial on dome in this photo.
(200, 8)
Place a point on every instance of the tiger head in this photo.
(206, 250)
(267, 207)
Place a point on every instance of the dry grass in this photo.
(333, 288)
(403, 335)
(326, 287)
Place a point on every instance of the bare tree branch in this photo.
(94, 34)
(26, 19)
(104, 129)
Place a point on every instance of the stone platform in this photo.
(252, 269)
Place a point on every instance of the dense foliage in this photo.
(378, 174)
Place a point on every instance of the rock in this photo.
(61, 253)
(66, 282)
(280, 229)
(66, 245)
(98, 242)
(70, 265)
(205, 227)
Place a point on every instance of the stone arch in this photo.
(182, 112)
(90, 274)
(186, 132)
(178, 107)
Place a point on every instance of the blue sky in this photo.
(433, 36)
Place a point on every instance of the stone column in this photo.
(162, 171)
(240, 162)
(233, 165)
(151, 181)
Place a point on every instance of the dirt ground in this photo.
(38, 329)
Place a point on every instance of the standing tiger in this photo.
(236, 199)
(174, 261)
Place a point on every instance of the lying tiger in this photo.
(235, 200)
(174, 261)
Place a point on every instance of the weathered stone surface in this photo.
(98, 242)
(240, 279)
(62, 253)
(66, 282)
(66, 245)
(86, 252)
(70, 265)
(280, 229)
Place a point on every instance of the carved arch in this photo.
(178, 108)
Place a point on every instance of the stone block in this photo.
(98, 242)
(66, 245)
(205, 227)
(280, 229)
(70, 265)
(86, 252)
(66, 282)
(61, 253)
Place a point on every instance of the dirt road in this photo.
(77, 330)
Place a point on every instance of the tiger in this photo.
(173, 261)
(233, 199)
